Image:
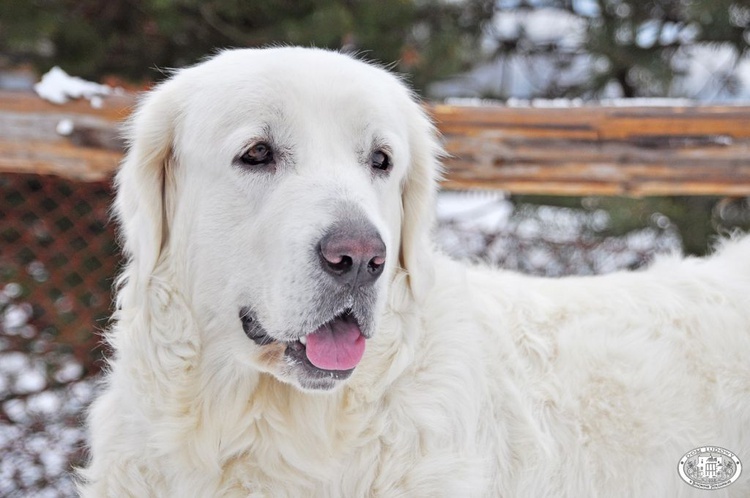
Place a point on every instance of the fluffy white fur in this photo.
(477, 382)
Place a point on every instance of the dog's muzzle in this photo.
(351, 256)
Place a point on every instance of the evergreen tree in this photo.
(130, 38)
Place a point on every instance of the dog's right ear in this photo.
(141, 186)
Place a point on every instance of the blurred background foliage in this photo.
(640, 45)
(130, 38)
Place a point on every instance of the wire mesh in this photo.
(58, 258)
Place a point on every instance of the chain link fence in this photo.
(57, 265)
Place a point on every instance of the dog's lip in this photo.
(258, 334)
(253, 329)
(296, 349)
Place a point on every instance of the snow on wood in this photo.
(74, 140)
(59, 87)
(560, 150)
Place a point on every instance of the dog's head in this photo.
(282, 189)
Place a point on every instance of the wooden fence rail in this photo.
(591, 150)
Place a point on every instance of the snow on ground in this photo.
(544, 240)
(481, 210)
(42, 434)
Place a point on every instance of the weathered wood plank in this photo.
(30, 141)
(638, 151)
(592, 150)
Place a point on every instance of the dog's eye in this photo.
(380, 160)
(259, 154)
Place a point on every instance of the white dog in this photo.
(286, 329)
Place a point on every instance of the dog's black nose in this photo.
(353, 253)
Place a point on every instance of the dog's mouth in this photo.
(331, 351)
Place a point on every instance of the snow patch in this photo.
(59, 87)
(30, 380)
(12, 290)
(96, 102)
(541, 26)
(65, 127)
(16, 316)
(70, 371)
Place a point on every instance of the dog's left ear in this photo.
(418, 202)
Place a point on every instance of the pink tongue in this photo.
(336, 346)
